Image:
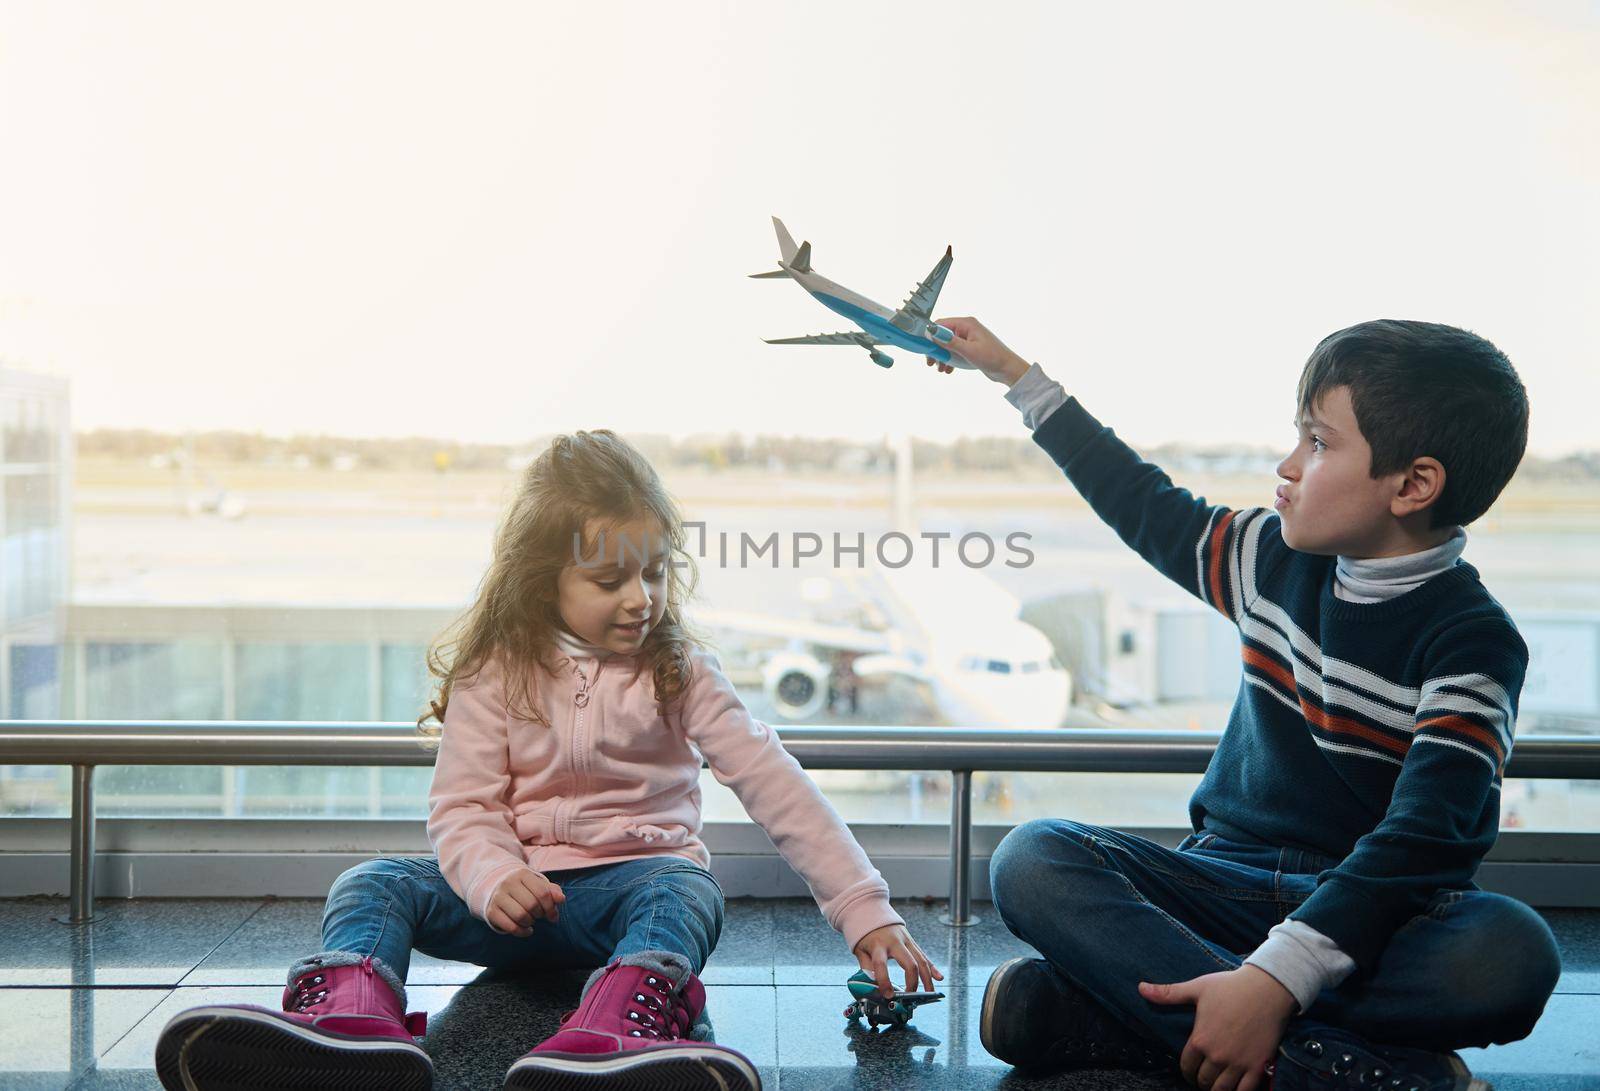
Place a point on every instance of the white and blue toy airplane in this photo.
(911, 327)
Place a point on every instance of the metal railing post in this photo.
(82, 862)
(82, 1052)
(960, 912)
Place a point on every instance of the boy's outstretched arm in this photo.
(1212, 552)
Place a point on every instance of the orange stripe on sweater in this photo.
(1344, 726)
(1463, 726)
(1279, 672)
(1340, 725)
(1217, 536)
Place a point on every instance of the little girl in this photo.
(565, 814)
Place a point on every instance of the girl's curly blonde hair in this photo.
(582, 477)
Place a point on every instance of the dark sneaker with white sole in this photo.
(1324, 1058)
(1036, 1020)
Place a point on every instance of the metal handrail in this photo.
(328, 742)
(86, 744)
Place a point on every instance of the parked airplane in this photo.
(951, 628)
(911, 327)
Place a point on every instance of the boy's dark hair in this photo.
(1423, 389)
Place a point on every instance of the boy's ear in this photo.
(1421, 485)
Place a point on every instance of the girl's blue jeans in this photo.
(1109, 909)
(391, 906)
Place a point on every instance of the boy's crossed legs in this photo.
(1109, 909)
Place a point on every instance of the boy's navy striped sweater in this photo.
(1374, 733)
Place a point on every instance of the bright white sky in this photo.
(496, 221)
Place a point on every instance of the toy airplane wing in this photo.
(862, 339)
(917, 310)
(863, 986)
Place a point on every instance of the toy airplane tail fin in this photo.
(792, 257)
(786, 246)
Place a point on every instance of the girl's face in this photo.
(613, 592)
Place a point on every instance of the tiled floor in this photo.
(81, 1008)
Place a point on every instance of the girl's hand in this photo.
(893, 941)
(520, 897)
(982, 349)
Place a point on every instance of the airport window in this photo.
(255, 472)
(405, 681)
(10, 426)
(31, 545)
(311, 681)
(1130, 652)
(35, 689)
(153, 680)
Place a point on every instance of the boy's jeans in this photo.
(1109, 910)
(388, 907)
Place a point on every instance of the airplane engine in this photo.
(796, 684)
(882, 359)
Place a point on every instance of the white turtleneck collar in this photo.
(1382, 578)
(575, 647)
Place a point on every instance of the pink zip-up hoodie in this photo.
(610, 780)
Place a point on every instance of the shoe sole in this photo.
(682, 1068)
(991, 994)
(225, 1049)
(1462, 1072)
(988, 1024)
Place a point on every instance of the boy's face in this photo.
(613, 600)
(1329, 502)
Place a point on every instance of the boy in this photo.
(1320, 925)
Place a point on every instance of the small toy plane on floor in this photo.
(865, 1003)
(911, 327)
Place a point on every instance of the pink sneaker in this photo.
(341, 1026)
(628, 1032)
